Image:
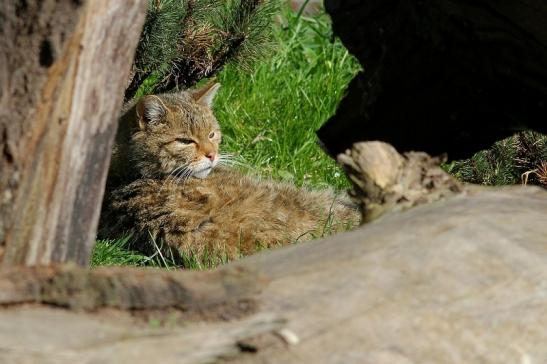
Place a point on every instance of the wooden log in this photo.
(449, 76)
(461, 280)
(132, 315)
(385, 181)
(35, 338)
(63, 68)
(131, 289)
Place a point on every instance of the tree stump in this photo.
(63, 68)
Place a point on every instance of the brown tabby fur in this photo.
(164, 143)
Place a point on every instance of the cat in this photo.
(168, 185)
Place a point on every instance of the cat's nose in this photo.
(210, 156)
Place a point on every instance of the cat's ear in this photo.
(150, 110)
(206, 94)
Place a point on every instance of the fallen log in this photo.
(130, 289)
(459, 280)
(47, 336)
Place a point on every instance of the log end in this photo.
(384, 180)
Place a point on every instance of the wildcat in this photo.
(167, 182)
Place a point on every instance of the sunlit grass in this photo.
(269, 117)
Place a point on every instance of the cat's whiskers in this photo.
(225, 156)
(172, 176)
(183, 172)
(183, 177)
(228, 160)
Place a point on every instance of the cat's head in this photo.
(176, 134)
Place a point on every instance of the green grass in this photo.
(118, 252)
(269, 118)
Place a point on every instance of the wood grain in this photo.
(126, 288)
(64, 66)
(456, 281)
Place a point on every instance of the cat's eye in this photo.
(211, 135)
(185, 141)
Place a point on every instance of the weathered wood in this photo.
(131, 289)
(128, 315)
(448, 76)
(461, 280)
(39, 335)
(385, 181)
(63, 68)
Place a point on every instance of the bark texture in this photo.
(449, 76)
(63, 68)
(385, 181)
(226, 292)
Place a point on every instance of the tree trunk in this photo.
(63, 68)
(448, 76)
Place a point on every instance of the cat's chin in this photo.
(202, 173)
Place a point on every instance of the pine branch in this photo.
(521, 158)
(185, 41)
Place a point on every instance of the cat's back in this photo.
(231, 198)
